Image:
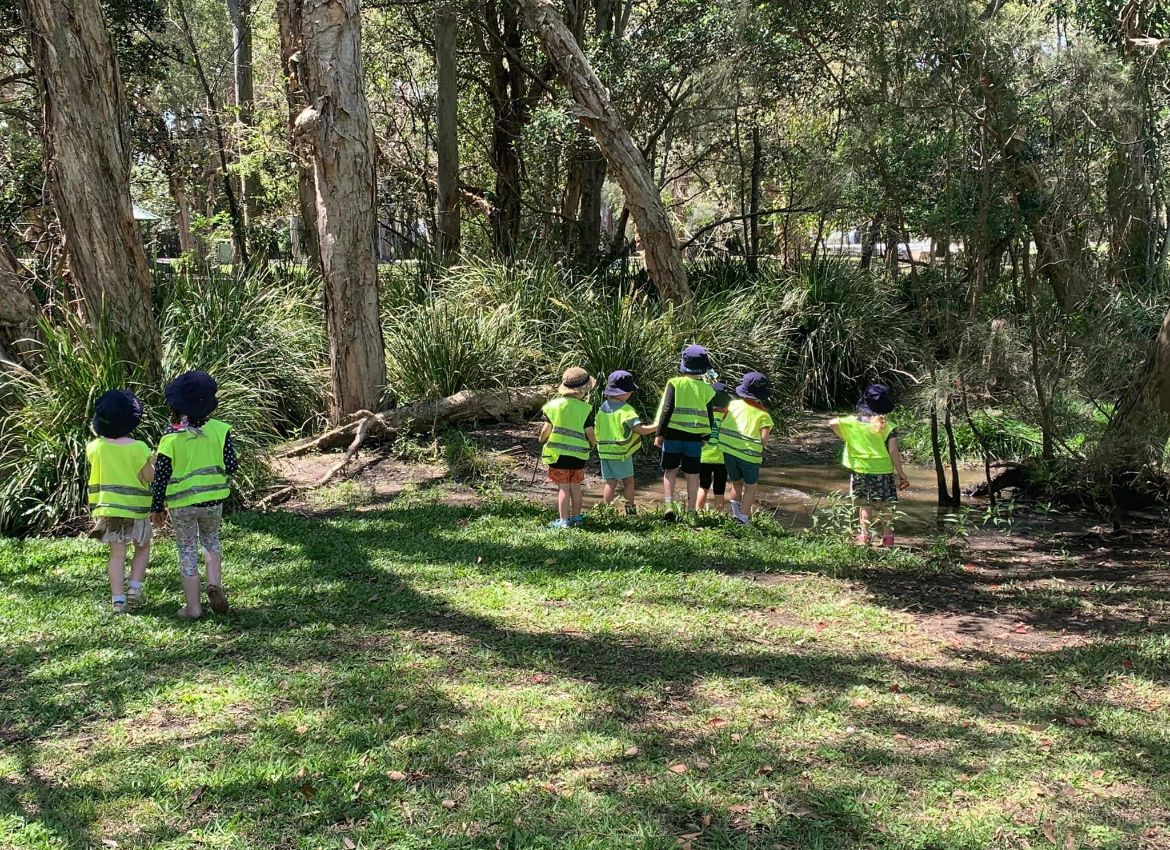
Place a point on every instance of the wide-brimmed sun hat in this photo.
(576, 380)
(116, 413)
(875, 401)
(694, 361)
(619, 383)
(193, 395)
(755, 387)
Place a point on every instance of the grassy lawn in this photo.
(427, 675)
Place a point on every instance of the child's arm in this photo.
(545, 432)
(158, 490)
(591, 436)
(231, 461)
(835, 424)
(646, 430)
(896, 457)
(765, 433)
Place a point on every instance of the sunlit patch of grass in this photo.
(447, 676)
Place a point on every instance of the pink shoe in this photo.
(861, 539)
(888, 539)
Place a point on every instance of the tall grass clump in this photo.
(44, 423)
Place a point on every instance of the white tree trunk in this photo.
(447, 130)
(87, 159)
(664, 263)
(335, 129)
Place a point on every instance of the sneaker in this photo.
(631, 510)
(135, 598)
(559, 523)
(888, 539)
(217, 599)
(120, 607)
(577, 521)
(670, 515)
(742, 519)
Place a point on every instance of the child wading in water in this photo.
(743, 436)
(567, 435)
(195, 459)
(619, 436)
(712, 468)
(686, 419)
(120, 472)
(872, 458)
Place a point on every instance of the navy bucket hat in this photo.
(116, 413)
(875, 401)
(695, 360)
(619, 383)
(192, 394)
(755, 387)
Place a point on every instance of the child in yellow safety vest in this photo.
(685, 421)
(619, 431)
(743, 435)
(195, 461)
(712, 470)
(567, 436)
(872, 458)
(120, 471)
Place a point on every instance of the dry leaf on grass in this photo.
(396, 775)
(631, 752)
(678, 768)
(448, 804)
(347, 842)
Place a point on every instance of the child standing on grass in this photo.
(872, 458)
(195, 459)
(712, 470)
(686, 419)
(567, 436)
(120, 472)
(619, 436)
(743, 438)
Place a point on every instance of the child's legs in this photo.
(609, 491)
(865, 516)
(186, 525)
(117, 570)
(734, 478)
(691, 464)
(669, 477)
(628, 490)
(577, 498)
(209, 521)
(719, 486)
(751, 481)
(564, 501)
(141, 559)
(749, 498)
(706, 479)
(692, 491)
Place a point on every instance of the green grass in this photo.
(543, 684)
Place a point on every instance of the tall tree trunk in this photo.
(291, 62)
(335, 130)
(241, 15)
(509, 100)
(757, 171)
(88, 169)
(664, 263)
(447, 131)
(18, 306)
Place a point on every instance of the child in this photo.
(195, 459)
(685, 421)
(743, 437)
(567, 436)
(120, 472)
(872, 457)
(619, 436)
(712, 471)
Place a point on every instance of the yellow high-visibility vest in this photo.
(568, 417)
(197, 471)
(114, 488)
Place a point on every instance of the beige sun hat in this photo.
(575, 381)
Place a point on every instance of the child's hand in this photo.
(903, 482)
(158, 519)
(657, 442)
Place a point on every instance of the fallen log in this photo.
(425, 417)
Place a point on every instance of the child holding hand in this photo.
(619, 436)
(120, 471)
(743, 436)
(872, 458)
(567, 436)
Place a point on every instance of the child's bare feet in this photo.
(186, 613)
(217, 598)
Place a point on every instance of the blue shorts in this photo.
(741, 470)
(682, 453)
(617, 470)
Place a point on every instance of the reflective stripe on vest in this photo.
(739, 434)
(712, 453)
(568, 417)
(616, 439)
(197, 471)
(691, 398)
(113, 487)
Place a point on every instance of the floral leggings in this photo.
(194, 526)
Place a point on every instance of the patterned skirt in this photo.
(865, 487)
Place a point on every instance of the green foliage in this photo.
(1007, 437)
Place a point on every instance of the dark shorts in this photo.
(713, 476)
(682, 453)
(873, 488)
(741, 470)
